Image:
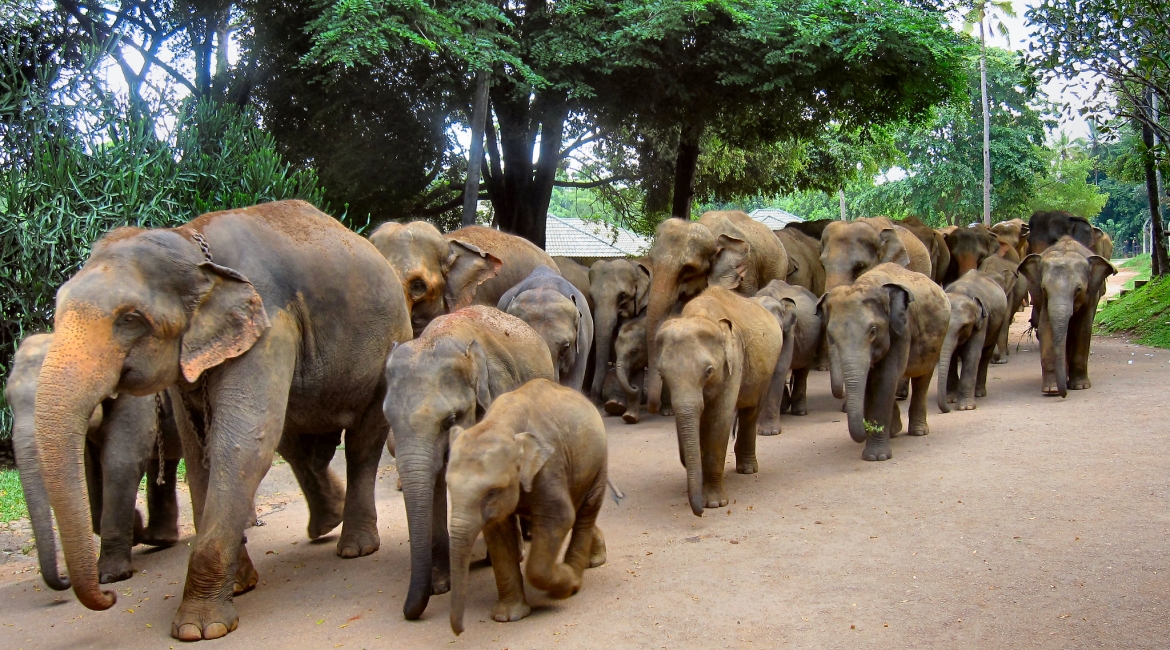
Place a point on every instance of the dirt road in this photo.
(1030, 522)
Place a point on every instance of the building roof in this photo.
(573, 237)
(774, 218)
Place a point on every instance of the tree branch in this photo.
(449, 205)
(584, 185)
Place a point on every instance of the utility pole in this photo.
(475, 157)
(986, 122)
(841, 200)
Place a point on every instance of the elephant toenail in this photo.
(215, 631)
(188, 632)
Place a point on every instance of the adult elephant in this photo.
(1005, 273)
(448, 377)
(725, 249)
(442, 274)
(577, 274)
(123, 441)
(935, 243)
(619, 290)
(1102, 243)
(271, 323)
(804, 260)
(1015, 232)
(1047, 227)
(969, 247)
(1066, 282)
(813, 229)
(850, 248)
(559, 312)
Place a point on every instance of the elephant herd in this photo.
(479, 362)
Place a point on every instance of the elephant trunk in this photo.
(463, 534)
(81, 368)
(944, 366)
(836, 378)
(604, 325)
(687, 414)
(415, 466)
(39, 512)
(623, 377)
(856, 376)
(663, 294)
(1058, 317)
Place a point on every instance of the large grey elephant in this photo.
(619, 290)
(123, 441)
(850, 248)
(267, 325)
(448, 377)
(559, 312)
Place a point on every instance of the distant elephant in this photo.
(1066, 282)
(449, 376)
(1047, 227)
(805, 336)
(620, 290)
(630, 357)
(577, 274)
(559, 312)
(812, 229)
(1102, 243)
(969, 247)
(539, 453)
(889, 324)
(442, 274)
(717, 358)
(979, 310)
(724, 249)
(804, 260)
(850, 248)
(268, 326)
(123, 441)
(1015, 232)
(1015, 288)
(768, 420)
(935, 243)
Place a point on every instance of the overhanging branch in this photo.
(584, 185)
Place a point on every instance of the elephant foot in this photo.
(877, 451)
(768, 425)
(597, 554)
(896, 422)
(163, 535)
(952, 398)
(921, 428)
(246, 575)
(800, 410)
(746, 466)
(666, 411)
(356, 542)
(614, 407)
(980, 391)
(329, 517)
(441, 580)
(714, 497)
(966, 404)
(1079, 383)
(114, 569)
(566, 582)
(510, 612)
(1051, 389)
(204, 620)
(630, 418)
(999, 361)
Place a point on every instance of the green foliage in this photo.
(12, 505)
(1143, 314)
(1065, 184)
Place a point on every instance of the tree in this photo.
(1065, 185)
(981, 13)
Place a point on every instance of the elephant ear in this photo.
(892, 249)
(900, 299)
(582, 333)
(641, 287)
(479, 376)
(453, 435)
(820, 308)
(1030, 268)
(982, 309)
(467, 268)
(727, 349)
(226, 322)
(1099, 269)
(729, 264)
(534, 453)
(793, 266)
(788, 321)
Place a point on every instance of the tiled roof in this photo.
(573, 237)
(774, 218)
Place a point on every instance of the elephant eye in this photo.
(873, 330)
(418, 288)
(132, 322)
(450, 420)
(709, 371)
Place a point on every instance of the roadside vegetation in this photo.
(1142, 314)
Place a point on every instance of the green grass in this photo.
(12, 505)
(1141, 264)
(1144, 314)
(180, 474)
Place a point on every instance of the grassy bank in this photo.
(1141, 264)
(1144, 313)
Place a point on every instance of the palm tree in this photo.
(981, 13)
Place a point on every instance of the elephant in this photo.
(539, 453)
(850, 248)
(804, 260)
(1102, 243)
(1003, 270)
(1047, 227)
(577, 274)
(267, 326)
(717, 358)
(442, 274)
(1066, 282)
(979, 310)
(725, 249)
(969, 247)
(889, 324)
(123, 440)
(1015, 232)
(812, 229)
(935, 243)
(559, 312)
(804, 335)
(619, 290)
(449, 376)
(768, 420)
(630, 357)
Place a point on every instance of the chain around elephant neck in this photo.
(158, 430)
(198, 237)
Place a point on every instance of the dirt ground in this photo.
(1032, 521)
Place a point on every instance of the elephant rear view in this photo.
(449, 377)
(1045, 228)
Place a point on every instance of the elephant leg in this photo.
(633, 411)
(586, 539)
(162, 504)
(981, 379)
(363, 450)
(882, 409)
(714, 433)
(197, 474)
(1047, 354)
(503, 543)
(1080, 337)
(308, 456)
(249, 399)
(972, 351)
(550, 526)
(921, 384)
(93, 483)
(953, 375)
(1001, 345)
(799, 391)
(246, 574)
(597, 554)
(121, 523)
(440, 538)
(745, 441)
(770, 408)
(903, 389)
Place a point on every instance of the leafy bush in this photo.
(1143, 313)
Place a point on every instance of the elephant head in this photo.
(432, 387)
(147, 310)
(438, 275)
(685, 258)
(559, 322)
(850, 248)
(696, 358)
(969, 247)
(630, 353)
(619, 289)
(967, 316)
(489, 467)
(861, 324)
(1064, 279)
(1015, 233)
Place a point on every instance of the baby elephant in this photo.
(801, 342)
(717, 358)
(978, 313)
(559, 312)
(540, 453)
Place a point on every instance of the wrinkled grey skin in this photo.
(578, 274)
(619, 291)
(978, 313)
(802, 339)
(630, 357)
(559, 312)
(122, 443)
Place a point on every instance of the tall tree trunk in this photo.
(1158, 232)
(1161, 268)
(986, 124)
(684, 170)
(478, 122)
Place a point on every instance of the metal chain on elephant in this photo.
(198, 237)
(158, 438)
(206, 433)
